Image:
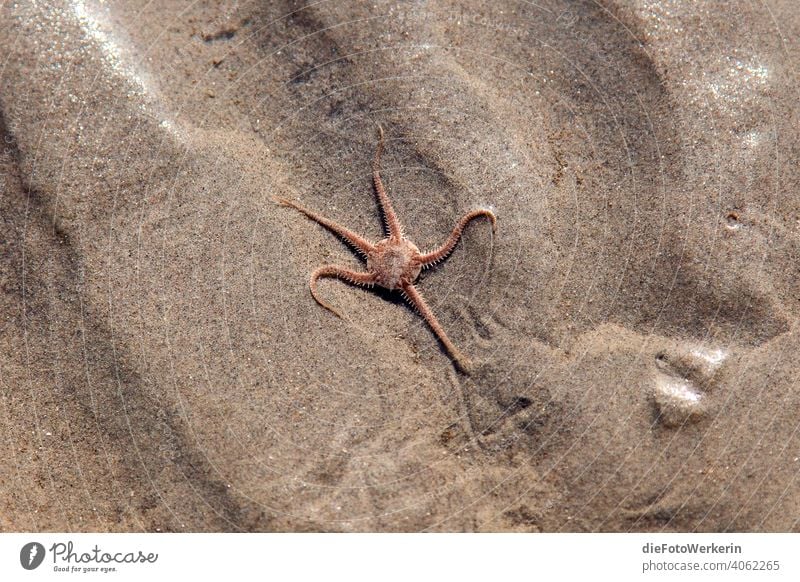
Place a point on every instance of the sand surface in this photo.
(634, 322)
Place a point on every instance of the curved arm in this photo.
(433, 257)
(354, 277)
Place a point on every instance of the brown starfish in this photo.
(394, 262)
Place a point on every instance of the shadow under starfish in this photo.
(393, 263)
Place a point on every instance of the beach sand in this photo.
(633, 323)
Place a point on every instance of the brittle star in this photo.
(393, 263)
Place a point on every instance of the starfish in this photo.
(395, 262)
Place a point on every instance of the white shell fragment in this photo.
(682, 381)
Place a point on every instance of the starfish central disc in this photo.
(394, 263)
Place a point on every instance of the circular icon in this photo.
(31, 555)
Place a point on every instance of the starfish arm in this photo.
(359, 243)
(413, 296)
(354, 277)
(392, 223)
(433, 257)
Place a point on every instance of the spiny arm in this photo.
(433, 257)
(412, 294)
(358, 242)
(392, 223)
(354, 277)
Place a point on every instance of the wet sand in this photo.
(633, 323)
